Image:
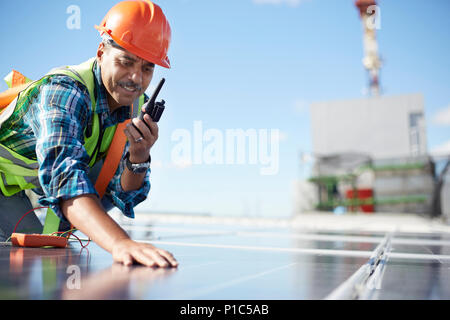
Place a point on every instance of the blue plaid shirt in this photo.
(52, 131)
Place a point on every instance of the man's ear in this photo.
(100, 51)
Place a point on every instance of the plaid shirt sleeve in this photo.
(58, 120)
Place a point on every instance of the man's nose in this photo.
(136, 76)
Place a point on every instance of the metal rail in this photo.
(365, 283)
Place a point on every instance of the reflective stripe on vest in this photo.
(18, 173)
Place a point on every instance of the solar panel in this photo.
(239, 260)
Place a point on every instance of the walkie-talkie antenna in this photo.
(155, 94)
(152, 108)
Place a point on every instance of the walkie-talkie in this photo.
(152, 108)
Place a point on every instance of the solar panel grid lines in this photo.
(205, 291)
(240, 261)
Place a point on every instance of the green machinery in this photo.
(397, 187)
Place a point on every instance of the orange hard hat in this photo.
(141, 28)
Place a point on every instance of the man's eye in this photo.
(127, 63)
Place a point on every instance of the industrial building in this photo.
(372, 150)
(371, 153)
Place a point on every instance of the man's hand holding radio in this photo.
(142, 135)
(142, 132)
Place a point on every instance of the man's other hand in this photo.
(127, 251)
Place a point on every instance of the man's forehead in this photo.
(123, 53)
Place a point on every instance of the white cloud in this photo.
(442, 117)
(291, 3)
(441, 150)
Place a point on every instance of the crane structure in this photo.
(369, 13)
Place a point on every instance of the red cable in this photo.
(17, 224)
(89, 240)
(70, 233)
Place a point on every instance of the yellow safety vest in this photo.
(19, 173)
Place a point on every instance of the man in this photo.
(58, 119)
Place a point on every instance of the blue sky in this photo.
(250, 64)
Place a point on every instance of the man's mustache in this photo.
(129, 84)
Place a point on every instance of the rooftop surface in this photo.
(312, 256)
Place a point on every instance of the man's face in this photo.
(124, 75)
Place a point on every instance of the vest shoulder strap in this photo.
(82, 73)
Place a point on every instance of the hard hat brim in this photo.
(139, 52)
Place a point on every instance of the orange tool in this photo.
(37, 240)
